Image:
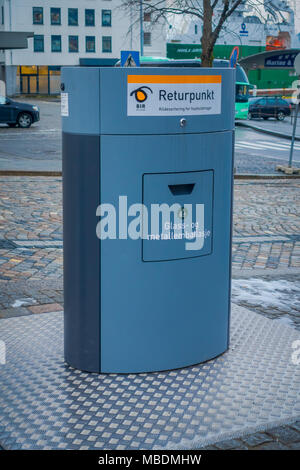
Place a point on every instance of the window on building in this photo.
(2, 15)
(147, 39)
(55, 16)
(106, 43)
(37, 15)
(196, 29)
(89, 17)
(106, 17)
(90, 44)
(55, 43)
(38, 43)
(73, 16)
(73, 43)
(147, 17)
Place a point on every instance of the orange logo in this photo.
(140, 94)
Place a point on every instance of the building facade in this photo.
(252, 32)
(69, 33)
(244, 27)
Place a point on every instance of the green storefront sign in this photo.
(183, 51)
(221, 51)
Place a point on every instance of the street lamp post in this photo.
(289, 170)
(141, 28)
(294, 130)
(297, 68)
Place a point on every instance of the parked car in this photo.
(270, 106)
(18, 114)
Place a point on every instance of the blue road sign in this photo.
(130, 59)
(281, 60)
(243, 31)
(234, 56)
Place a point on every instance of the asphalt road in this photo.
(256, 152)
(39, 147)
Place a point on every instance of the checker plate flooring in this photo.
(44, 404)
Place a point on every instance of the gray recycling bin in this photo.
(147, 199)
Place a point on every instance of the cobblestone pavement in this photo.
(37, 148)
(280, 438)
(266, 260)
(253, 163)
(266, 226)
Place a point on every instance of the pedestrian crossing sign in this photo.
(130, 59)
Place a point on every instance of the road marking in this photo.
(252, 146)
(40, 131)
(280, 144)
(269, 142)
(265, 145)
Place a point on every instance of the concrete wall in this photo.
(11, 77)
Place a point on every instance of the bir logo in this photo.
(140, 94)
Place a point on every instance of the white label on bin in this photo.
(64, 104)
(173, 95)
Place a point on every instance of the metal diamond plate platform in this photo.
(47, 405)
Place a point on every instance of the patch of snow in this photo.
(21, 302)
(272, 293)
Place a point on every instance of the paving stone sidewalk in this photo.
(266, 250)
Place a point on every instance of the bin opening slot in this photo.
(180, 189)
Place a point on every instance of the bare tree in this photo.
(204, 10)
(210, 34)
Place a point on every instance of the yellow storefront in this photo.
(38, 79)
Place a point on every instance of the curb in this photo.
(29, 173)
(239, 176)
(34, 96)
(250, 176)
(280, 272)
(266, 131)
